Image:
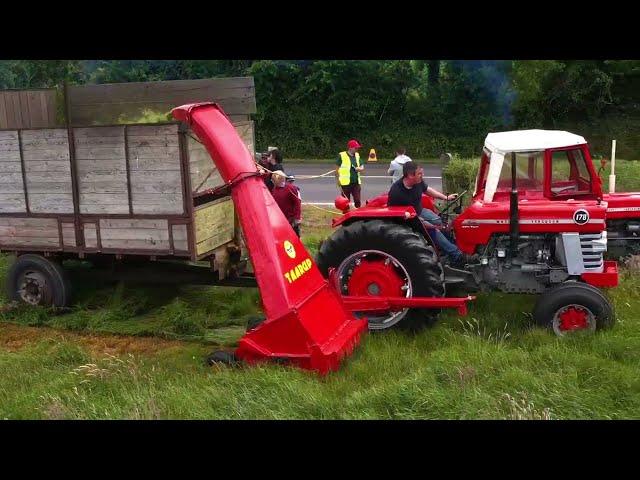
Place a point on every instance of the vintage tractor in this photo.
(537, 222)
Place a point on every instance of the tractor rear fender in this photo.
(405, 215)
(370, 213)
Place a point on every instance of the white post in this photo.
(612, 177)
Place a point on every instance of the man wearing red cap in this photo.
(348, 171)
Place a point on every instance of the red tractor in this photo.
(537, 222)
(623, 224)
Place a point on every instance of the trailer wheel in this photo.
(36, 280)
(381, 258)
(573, 306)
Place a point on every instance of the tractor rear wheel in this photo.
(382, 258)
(573, 306)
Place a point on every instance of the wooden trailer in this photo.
(101, 191)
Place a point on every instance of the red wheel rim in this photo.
(375, 273)
(375, 277)
(573, 317)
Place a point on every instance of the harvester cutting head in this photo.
(306, 323)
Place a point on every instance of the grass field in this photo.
(125, 352)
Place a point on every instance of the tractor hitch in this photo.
(391, 304)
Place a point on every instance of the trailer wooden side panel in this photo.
(180, 238)
(132, 102)
(28, 108)
(23, 232)
(214, 225)
(90, 231)
(204, 173)
(68, 234)
(12, 199)
(154, 164)
(102, 170)
(131, 182)
(47, 170)
(139, 234)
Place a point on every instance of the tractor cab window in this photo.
(569, 173)
(529, 172)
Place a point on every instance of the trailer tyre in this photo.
(36, 280)
(376, 257)
(573, 306)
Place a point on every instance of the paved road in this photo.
(374, 182)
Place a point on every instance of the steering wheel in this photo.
(450, 203)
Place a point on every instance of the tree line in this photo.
(309, 108)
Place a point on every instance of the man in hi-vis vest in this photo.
(348, 172)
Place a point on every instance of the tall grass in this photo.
(498, 366)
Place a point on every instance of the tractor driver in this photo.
(408, 192)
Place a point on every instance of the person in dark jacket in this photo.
(287, 196)
(275, 159)
(272, 161)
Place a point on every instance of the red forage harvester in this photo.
(306, 322)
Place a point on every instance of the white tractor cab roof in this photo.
(501, 143)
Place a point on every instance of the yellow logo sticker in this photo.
(288, 248)
(299, 270)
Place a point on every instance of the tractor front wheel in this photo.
(573, 306)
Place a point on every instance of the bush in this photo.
(459, 175)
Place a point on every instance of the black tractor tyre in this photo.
(412, 250)
(35, 280)
(573, 293)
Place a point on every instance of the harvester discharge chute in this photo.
(306, 322)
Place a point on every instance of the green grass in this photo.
(492, 364)
(627, 175)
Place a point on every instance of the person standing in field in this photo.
(348, 172)
(270, 161)
(395, 168)
(287, 196)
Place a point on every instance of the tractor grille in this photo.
(593, 246)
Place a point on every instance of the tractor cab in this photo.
(534, 182)
(550, 164)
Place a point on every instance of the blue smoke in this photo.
(493, 78)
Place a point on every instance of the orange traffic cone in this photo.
(372, 156)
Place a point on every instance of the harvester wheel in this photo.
(573, 306)
(220, 356)
(36, 280)
(254, 321)
(382, 258)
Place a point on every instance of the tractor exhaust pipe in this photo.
(513, 213)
